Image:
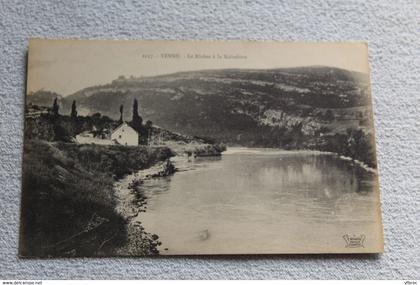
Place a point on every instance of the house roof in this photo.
(121, 125)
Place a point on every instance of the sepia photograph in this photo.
(142, 148)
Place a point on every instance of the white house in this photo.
(125, 135)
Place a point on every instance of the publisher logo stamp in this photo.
(354, 241)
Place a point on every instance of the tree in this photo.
(149, 124)
(137, 120)
(73, 114)
(121, 113)
(55, 108)
(149, 129)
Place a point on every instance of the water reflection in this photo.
(234, 195)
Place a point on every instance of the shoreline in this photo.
(357, 162)
(256, 150)
(131, 202)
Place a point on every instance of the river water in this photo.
(263, 201)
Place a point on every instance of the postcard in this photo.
(138, 148)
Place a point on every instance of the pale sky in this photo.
(66, 66)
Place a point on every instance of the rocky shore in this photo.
(131, 202)
(195, 149)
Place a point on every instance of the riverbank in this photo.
(131, 202)
(270, 151)
(68, 200)
(358, 163)
(195, 148)
(70, 206)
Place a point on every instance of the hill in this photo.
(287, 107)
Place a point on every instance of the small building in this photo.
(124, 134)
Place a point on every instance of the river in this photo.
(263, 201)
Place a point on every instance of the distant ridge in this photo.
(239, 106)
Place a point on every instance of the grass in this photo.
(68, 203)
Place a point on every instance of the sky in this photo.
(67, 66)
